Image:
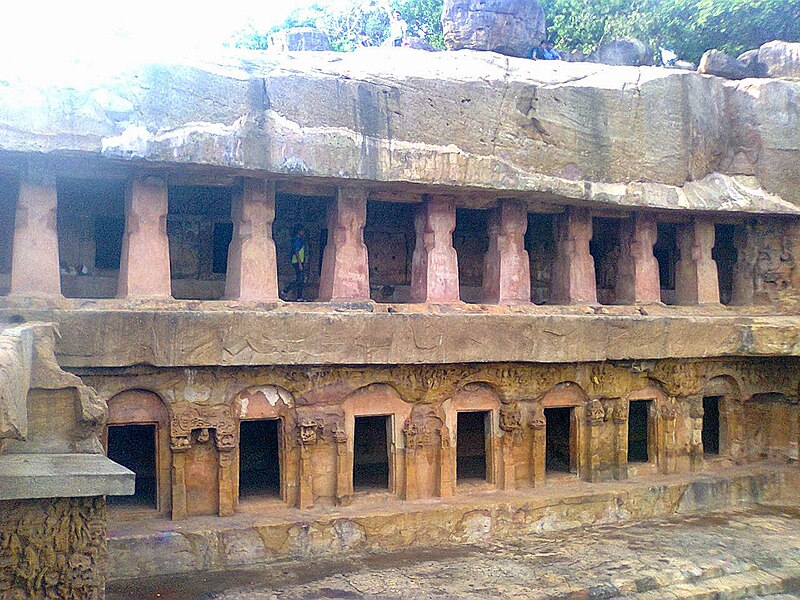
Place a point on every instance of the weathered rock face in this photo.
(632, 53)
(716, 62)
(779, 59)
(621, 136)
(510, 27)
(299, 38)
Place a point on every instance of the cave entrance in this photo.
(371, 453)
(259, 459)
(471, 441)
(711, 424)
(134, 447)
(639, 433)
(560, 456)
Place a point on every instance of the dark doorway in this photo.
(471, 445)
(471, 241)
(666, 253)
(558, 457)
(605, 249)
(638, 434)
(371, 453)
(259, 458)
(725, 255)
(541, 246)
(711, 424)
(134, 446)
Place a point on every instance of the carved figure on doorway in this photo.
(595, 413)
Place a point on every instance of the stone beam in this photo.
(345, 265)
(252, 263)
(144, 267)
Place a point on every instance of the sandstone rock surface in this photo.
(716, 62)
(299, 39)
(631, 52)
(779, 59)
(510, 27)
(623, 136)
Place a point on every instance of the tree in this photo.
(687, 27)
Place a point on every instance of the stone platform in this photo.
(742, 553)
(268, 533)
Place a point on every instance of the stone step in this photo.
(753, 583)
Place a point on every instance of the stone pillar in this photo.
(744, 273)
(345, 265)
(506, 267)
(539, 446)
(595, 413)
(573, 279)
(252, 264)
(638, 279)
(620, 419)
(447, 463)
(413, 439)
(434, 265)
(668, 415)
(696, 279)
(179, 505)
(511, 426)
(308, 433)
(35, 269)
(144, 270)
(344, 469)
(696, 450)
(227, 493)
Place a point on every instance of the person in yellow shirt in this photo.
(299, 259)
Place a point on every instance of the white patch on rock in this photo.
(197, 394)
(131, 142)
(245, 402)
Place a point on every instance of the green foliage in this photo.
(687, 27)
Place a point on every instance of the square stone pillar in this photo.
(434, 265)
(345, 264)
(252, 263)
(696, 278)
(35, 270)
(144, 270)
(506, 267)
(573, 279)
(638, 280)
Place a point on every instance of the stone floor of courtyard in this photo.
(749, 552)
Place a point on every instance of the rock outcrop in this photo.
(299, 39)
(622, 136)
(716, 62)
(779, 59)
(510, 27)
(630, 52)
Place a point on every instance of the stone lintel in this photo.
(25, 476)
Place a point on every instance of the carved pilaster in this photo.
(538, 447)
(620, 420)
(344, 487)
(308, 433)
(595, 414)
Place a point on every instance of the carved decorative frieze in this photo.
(53, 548)
(187, 418)
(595, 413)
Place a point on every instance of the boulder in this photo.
(630, 52)
(684, 65)
(750, 61)
(716, 62)
(510, 27)
(299, 39)
(779, 59)
(418, 43)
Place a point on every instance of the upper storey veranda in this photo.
(642, 137)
